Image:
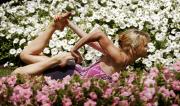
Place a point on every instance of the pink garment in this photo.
(93, 70)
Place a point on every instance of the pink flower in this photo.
(11, 80)
(90, 103)
(93, 95)
(176, 66)
(131, 79)
(47, 104)
(176, 85)
(124, 103)
(174, 105)
(153, 72)
(86, 84)
(115, 101)
(66, 80)
(147, 94)
(172, 94)
(115, 77)
(149, 104)
(66, 101)
(21, 93)
(165, 92)
(107, 93)
(125, 94)
(167, 73)
(1, 83)
(54, 84)
(42, 98)
(149, 82)
(78, 93)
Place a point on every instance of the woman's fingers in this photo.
(77, 56)
(66, 15)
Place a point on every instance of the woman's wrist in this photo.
(53, 25)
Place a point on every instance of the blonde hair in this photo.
(131, 38)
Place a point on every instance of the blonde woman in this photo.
(132, 45)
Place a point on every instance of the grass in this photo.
(6, 71)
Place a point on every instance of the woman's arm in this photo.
(105, 43)
(81, 34)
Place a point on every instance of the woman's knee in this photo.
(17, 71)
(23, 56)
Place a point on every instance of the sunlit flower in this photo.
(12, 51)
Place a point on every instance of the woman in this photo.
(132, 45)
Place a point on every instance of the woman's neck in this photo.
(131, 57)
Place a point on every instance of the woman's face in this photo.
(143, 47)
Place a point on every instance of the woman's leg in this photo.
(31, 53)
(39, 67)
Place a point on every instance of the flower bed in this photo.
(157, 87)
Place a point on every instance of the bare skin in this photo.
(110, 62)
(32, 54)
(114, 59)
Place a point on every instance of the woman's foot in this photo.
(62, 59)
(60, 21)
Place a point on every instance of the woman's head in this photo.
(134, 42)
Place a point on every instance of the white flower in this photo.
(89, 56)
(54, 51)
(20, 30)
(102, 1)
(22, 41)
(173, 31)
(12, 30)
(177, 54)
(97, 53)
(12, 51)
(46, 51)
(8, 36)
(2, 35)
(177, 35)
(54, 37)
(58, 44)
(158, 54)
(16, 40)
(18, 51)
(84, 1)
(160, 36)
(173, 45)
(151, 47)
(71, 41)
(152, 57)
(147, 62)
(11, 64)
(164, 29)
(60, 34)
(171, 37)
(6, 64)
(67, 47)
(51, 44)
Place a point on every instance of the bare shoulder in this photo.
(122, 58)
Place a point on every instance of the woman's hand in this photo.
(76, 55)
(60, 21)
